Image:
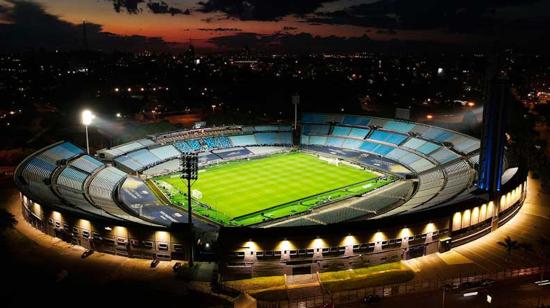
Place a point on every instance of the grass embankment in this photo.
(258, 284)
(378, 275)
(273, 287)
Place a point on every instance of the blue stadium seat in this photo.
(427, 148)
(86, 163)
(144, 157)
(304, 139)
(352, 144)
(387, 137)
(210, 143)
(383, 149)
(224, 142)
(437, 134)
(314, 118)
(356, 120)
(285, 138)
(183, 147)
(72, 178)
(102, 188)
(62, 151)
(194, 144)
(267, 138)
(398, 126)
(444, 155)
(166, 152)
(341, 131)
(368, 146)
(317, 140)
(266, 128)
(129, 163)
(315, 129)
(359, 133)
(335, 142)
(243, 140)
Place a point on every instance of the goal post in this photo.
(197, 194)
(330, 161)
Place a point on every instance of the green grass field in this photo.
(251, 191)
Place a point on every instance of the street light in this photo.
(87, 117)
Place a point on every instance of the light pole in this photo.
(87, 117)
(445, 288)
(189, 169)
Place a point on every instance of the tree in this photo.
(526, 247)
(542, 251)
(509, 245)
(7, 221)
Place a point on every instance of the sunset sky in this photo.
(218, 24)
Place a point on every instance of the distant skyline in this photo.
(219, 25)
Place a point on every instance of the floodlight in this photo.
(87, 117)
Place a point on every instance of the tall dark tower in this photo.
(493, 136)
(84, 35)
(190, 52)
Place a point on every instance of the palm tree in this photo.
(542, 252)
(526, 248)
(509, 245)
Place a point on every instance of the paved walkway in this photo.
(484, 254)
(49, 262)
(300, 286)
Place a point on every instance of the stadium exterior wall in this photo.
(104, 235)
(247, 253)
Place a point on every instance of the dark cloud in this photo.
(155, 7)
(163, 8)
(301, 42)
(305, 42)
(261, 9)
(220, 29)
(288, 28)
(454, 15)
(130, 6)
(27, 25)
(386, 31)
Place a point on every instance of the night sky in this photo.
(218, 25)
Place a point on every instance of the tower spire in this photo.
(84, 35)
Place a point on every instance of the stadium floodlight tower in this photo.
(190, 172)
(295, 102)
(87, 118)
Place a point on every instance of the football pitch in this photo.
(247, 192)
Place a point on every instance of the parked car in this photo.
(473, 285)
(371, 298)
(176, 267)
(155, 262)
(87, 253)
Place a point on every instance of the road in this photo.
(510, 293)
(485, 255)
(38, 269)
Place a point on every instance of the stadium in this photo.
(337, 191)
